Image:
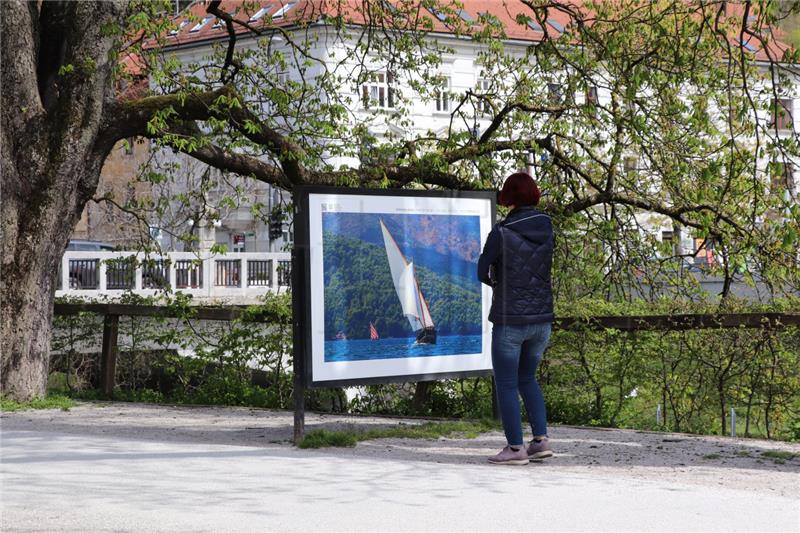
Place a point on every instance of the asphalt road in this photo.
(66, 482)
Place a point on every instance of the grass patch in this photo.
(779, 454)
(322, 438)
(711, 456)
(55, 401)
(743, 454)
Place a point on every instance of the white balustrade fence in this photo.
(240, 277)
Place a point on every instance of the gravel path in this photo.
(738, 464)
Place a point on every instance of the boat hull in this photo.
(426, 336)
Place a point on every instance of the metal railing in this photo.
(83, 274)
(188, 274)
(228, 273)
(120, 273)
(155, 274)
(259, 273)
(232, 276)
(284, 273)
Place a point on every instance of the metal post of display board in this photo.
(298, 325)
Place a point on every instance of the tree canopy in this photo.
(631, 111)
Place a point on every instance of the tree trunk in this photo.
(420, 402)
(53, 148)
(26, 316)
(33, 243)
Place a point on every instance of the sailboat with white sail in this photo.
(413, 303)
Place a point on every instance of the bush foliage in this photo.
(607, 378)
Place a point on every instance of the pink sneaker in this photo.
(510, 457)
(540, 450)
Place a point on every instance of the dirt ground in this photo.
(700, 460)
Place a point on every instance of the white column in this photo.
(274, 267)
(101, 272)
(65, 273)
(171, 270)
(208, 278)
(137, 275)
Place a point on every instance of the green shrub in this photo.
(606, 378)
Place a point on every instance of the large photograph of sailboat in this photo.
(400, 285)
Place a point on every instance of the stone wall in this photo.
(102, 221)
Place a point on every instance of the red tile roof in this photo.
(195, 25)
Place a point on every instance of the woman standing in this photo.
(516, 262)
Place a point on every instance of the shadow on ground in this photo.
(272, 432)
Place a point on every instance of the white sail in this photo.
(409, 299)
(413, 304)
(425, 313)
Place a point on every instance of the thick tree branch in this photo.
(126, 119)
(478, 149)
(675, 213)
(289, 154)
(241, 164)
(131, 117)
(18, 53)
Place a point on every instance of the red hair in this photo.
(519, 190)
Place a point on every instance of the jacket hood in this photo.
(530, 223)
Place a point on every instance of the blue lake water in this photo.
(365, 349)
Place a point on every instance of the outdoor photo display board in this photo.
(389, 290)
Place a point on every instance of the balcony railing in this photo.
(233, 276)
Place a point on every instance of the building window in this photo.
(239, 241)
(782, 118)
(630, 165)
(465, 16)
(671, 240)
(259, 14)
(379, 91)
(177, 30)
(282, 11)
(782, 181)
(592, 97)
(388, 6)
(443, 97)
(199, 26)
(365, 153)
(554, 93)
(441, 15)
(219, 23)
(484, 106)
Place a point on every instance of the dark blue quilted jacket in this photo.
(516, 262)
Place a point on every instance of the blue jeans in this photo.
(516, 352)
